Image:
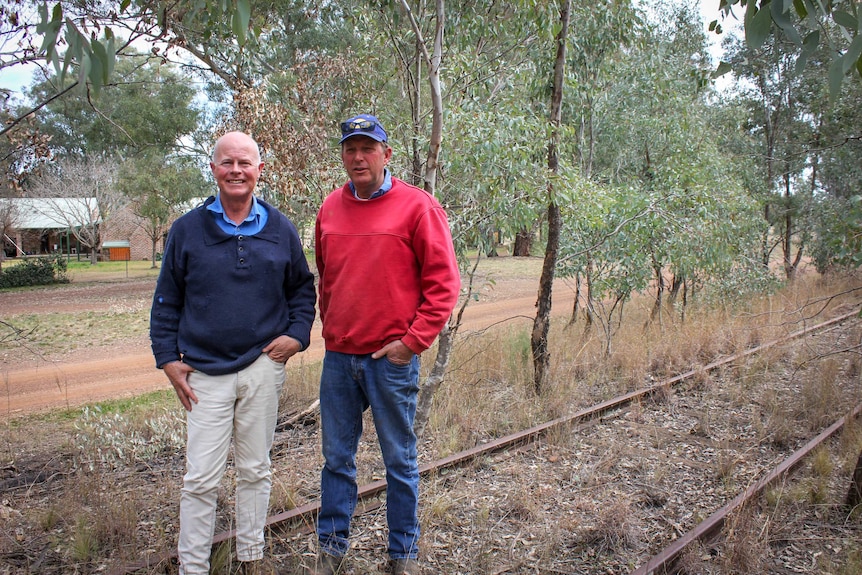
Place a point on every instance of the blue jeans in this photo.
(349, 384)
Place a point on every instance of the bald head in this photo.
(235, 140)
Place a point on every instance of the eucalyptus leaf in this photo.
(852, 55)
(782, 20)
(845, 20)
(238, 30)
(836, 76)
(243, 8)
(757, 27)
(240, 20)
(99, 74)
(723, 68)
(809, 45)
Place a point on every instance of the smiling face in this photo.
(365, 160)
(236, 166)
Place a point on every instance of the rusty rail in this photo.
(660, 562)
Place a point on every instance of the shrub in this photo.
(34, 272)
(115, 441)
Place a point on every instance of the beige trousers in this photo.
(240, 406)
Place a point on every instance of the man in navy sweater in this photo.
(234, 301)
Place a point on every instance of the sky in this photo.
(709, 12)
(16, 77)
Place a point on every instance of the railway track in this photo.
(641, 483)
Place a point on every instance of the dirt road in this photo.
(127, 368)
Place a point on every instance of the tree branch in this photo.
(12, 123)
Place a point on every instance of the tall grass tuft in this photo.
(745, 544)
(85, 541)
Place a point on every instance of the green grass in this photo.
(8, 263)
(139, 405)
(83, 271)
(84, 266)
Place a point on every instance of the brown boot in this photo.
(327, 564)
(404, 567)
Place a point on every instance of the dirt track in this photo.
(127, 369)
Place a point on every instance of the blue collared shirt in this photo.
(250, 226)
(387, 185)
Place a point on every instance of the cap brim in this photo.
(371, 135)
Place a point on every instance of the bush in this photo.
(115, 441)
(34, 272)
(837, 242)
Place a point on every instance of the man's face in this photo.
(365, 159)
(236, 167)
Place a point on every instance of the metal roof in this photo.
(51, 213)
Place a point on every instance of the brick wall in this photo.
(124, 225)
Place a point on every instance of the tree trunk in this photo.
(575, 305)
(854, 495)
(675, 285)
(416, 101)
(432, 61)
(659, 293)
(541, 325)
(787, 240)
(523, 243)
(493, 241)
(433, 381)
(769, 133)
(588, 296)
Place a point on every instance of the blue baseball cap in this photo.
(363, 125)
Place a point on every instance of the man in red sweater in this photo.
(389, 281)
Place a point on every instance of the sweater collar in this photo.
(213, 234)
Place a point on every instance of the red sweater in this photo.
(387, 269)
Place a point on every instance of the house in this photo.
(45, 225)
(41, 226)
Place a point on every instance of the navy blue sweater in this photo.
(220, 299)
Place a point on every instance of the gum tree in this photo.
(145, 106)
(542, 322)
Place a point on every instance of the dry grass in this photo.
(745, 543)
(488, 393)
(497, 367)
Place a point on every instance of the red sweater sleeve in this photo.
(440, 280)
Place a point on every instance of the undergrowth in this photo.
(488, 393)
